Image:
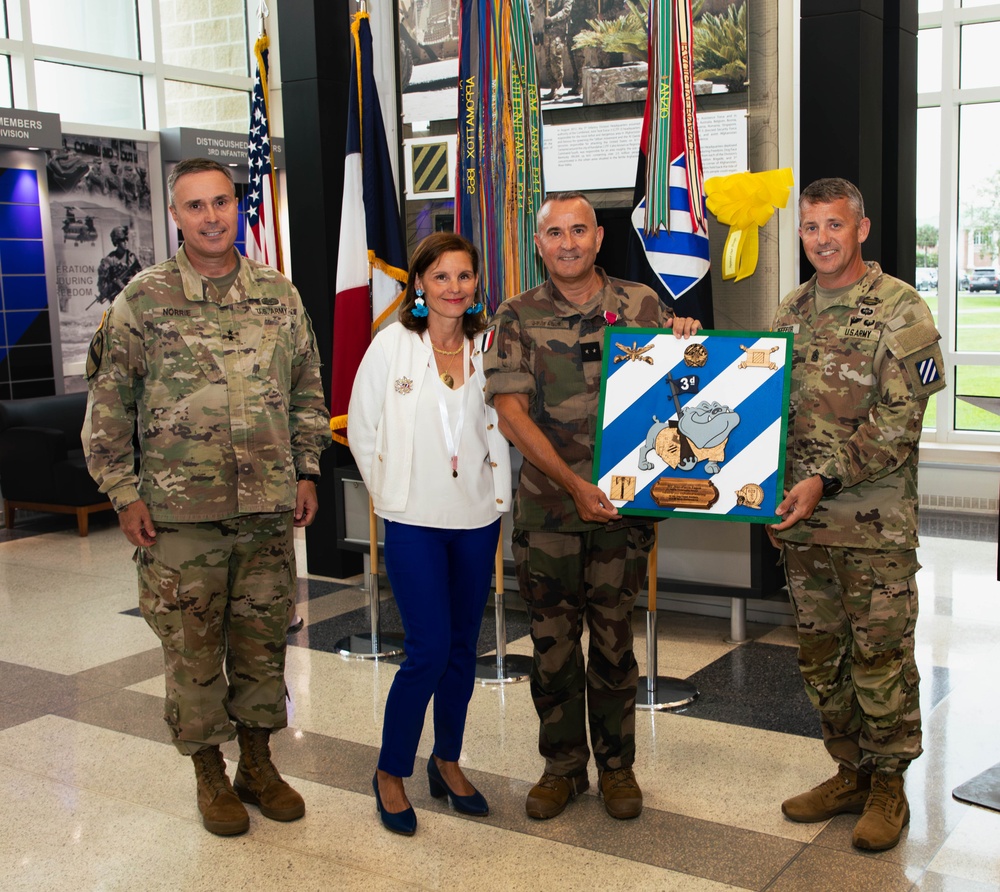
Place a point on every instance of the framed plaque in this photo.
(696, 427)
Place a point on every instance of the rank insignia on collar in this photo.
(487, 339)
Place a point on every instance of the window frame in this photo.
(950, 99)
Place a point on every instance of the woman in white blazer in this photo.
(438, 470)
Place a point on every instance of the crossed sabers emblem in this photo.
(633, 353)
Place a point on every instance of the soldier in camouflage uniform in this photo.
(866, 359)
(576, 556)
(214, 357)
(117, 268)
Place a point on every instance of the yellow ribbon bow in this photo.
(746, 202)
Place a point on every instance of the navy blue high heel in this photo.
(474, 805)
(403, 822)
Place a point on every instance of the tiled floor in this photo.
(95, 798)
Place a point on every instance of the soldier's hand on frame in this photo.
(799, 502)
(306, 503)
(685, 326)
(137, 525)
(592, 504)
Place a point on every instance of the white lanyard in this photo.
(451, 440)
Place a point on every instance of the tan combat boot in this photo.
(222, 812)
(844, 793)
(549, 796)
(257, 780)
(621, 793)
(886, 814)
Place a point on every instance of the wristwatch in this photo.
(831, 486)
(312, 478)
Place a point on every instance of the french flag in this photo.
(371, 261)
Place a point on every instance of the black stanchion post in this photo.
(372, 645)
(653, 691)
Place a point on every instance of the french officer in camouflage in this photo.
(213, 356)
(866, 360)
(576, 557)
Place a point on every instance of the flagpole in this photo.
(503, 669)
(658, 691)
(371, 645)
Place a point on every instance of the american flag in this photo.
(262, 243)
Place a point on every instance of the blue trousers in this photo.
(441, 581)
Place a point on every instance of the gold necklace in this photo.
(455, 352)
(445, 376)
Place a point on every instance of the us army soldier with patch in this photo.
(866, 359)
(576, 557)
(213, 357)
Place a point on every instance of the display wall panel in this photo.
(22, 219)
(20, 256)
(26, 348)
(28, 328)
(17, 185)
(24, 292)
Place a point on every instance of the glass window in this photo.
(928, 202)
(6, 96)
(929, 6)
(89, 95)
(211, 108)
(979, 229)
(977, 392)
(929, 60)
(110, 27)
(978, 67)
(208, 36)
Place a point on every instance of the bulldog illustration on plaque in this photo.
(696, 427)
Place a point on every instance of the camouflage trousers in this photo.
(219, 596)
(856, 611)
(564, 578)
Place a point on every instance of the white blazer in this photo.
(382, 413)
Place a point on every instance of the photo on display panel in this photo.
(588, 52)
(102, 225)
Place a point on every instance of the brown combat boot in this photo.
(886, 814)
(844, 793)
(622, 796)
(549, 796)
(222, 812)
(257, 780)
